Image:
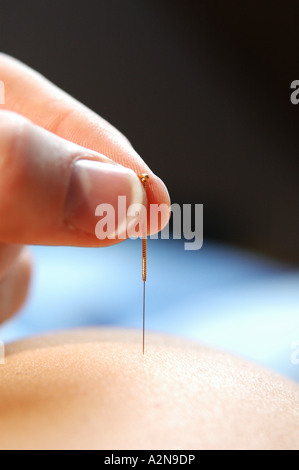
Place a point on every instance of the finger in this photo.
(14, 287)
(50, 188)
(31, 95)
(8, 256)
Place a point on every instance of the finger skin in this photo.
(31, 95)
(8, 256)
(36, 169)
(14, 286)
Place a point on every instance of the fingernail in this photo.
(95, 183)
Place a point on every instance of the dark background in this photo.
(201, 89)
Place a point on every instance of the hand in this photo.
(58, 162)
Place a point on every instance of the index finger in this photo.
(30, 94)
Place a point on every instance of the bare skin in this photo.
(93, 389)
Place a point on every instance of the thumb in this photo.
(50, 188)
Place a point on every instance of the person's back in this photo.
(94, 389)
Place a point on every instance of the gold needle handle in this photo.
(144, 253)
(144, 179)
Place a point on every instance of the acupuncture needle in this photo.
(144, 179)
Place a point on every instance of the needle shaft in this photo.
(144, 262)
(143, 336)
(144, 178)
